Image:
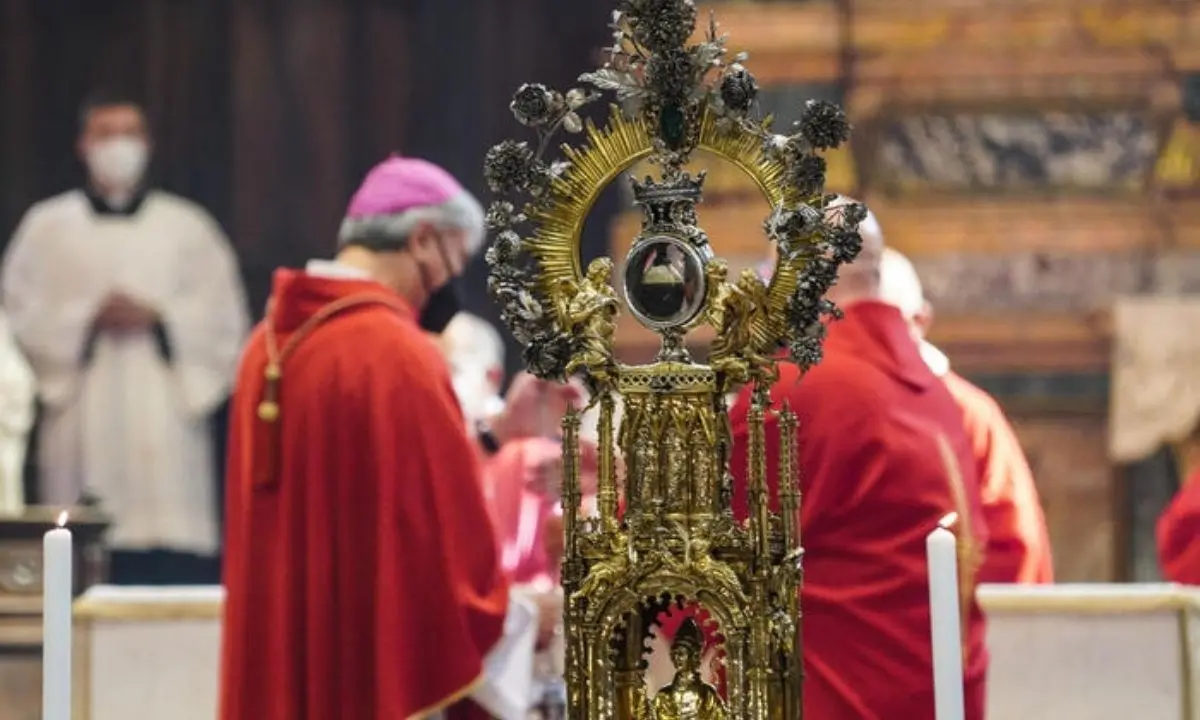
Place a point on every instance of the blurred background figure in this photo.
(475, 352)
(1018, 548)
(1178, 534)
(884, 457)
(129, 304)
(523, 477)
(17, 397)
(522, 481)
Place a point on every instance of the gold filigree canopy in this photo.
(665, 538)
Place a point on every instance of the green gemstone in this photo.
(672, 125)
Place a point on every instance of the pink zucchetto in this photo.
(398, 184)
(400, 192)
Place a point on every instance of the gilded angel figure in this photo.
(607, 571)
(704, 565)
(589, 311)
(732, 313)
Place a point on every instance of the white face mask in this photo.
(118, 163)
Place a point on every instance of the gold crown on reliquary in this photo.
(673, 545)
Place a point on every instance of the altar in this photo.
(1093, 652)
(147, 653)
(1066, 652)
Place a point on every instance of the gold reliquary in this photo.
(665, 540)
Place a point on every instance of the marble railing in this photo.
(1068, 652)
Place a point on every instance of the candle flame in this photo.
(949, 521)
(62, 518)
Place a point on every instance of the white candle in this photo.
(941, 549)
(57, 560)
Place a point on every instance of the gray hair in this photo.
(390, 232)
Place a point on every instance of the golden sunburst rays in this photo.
(614, 148)
(609, 151)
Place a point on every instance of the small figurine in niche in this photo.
(687, 695)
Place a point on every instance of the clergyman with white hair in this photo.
(474, 349)
(1018, 542)
(354, 499)
(885, 459)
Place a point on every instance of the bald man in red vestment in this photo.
(883, 458)
(359, 586)
(1019, 544)
(1179, 534)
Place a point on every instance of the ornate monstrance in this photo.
(674, 542)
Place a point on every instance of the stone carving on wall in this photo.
(1051, 282)
(1000, 152)
(1039, 282)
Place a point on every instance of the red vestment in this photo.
(1018, 548)
(875, 483)
(1179, 534)
(358, 584)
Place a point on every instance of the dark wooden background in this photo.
(269, 111)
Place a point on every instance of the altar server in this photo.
(128, 302)
(1179, 534)
(17, 391)
(876, 478)
(359, 585)
(1018, 541)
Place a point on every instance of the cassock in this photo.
(359, 586)
(1018, 543)
(873, 419)
(17, 390)
(128, 417)
(1179, 534)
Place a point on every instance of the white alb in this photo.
(127, 424)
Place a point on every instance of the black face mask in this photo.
(443, 304)
(440, 309)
